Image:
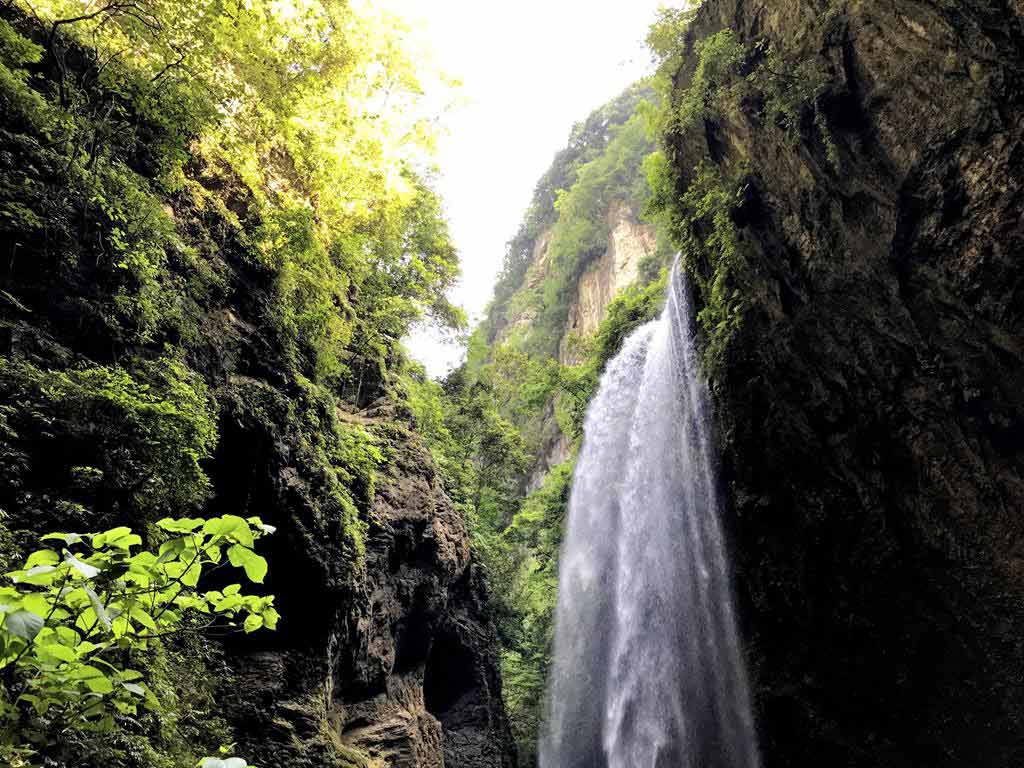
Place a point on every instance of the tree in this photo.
(76, 614)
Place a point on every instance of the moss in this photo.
(103, 444)
(338, 460)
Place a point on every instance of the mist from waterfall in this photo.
(647, 670)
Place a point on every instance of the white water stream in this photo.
(648, 671)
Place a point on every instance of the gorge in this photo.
(765, 507)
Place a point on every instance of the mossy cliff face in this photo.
(869, 385)
(148, 367)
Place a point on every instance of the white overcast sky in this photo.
(530, 69)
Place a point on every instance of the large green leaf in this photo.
(120, 538)
(222, 526)
(24, 624)
(42, 557)
(57, 651)
(95, 680)
(255, 565)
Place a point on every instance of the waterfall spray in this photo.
(648, 671)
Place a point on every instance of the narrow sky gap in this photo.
(530, 70)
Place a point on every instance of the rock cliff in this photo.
(393, 665)
(145, 371)
(871, 397)
(629, 243)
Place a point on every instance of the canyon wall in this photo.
(147, 369)
(870, 395)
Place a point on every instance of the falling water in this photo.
(648, 671)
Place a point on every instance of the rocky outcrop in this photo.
(385, 663)
(871, 403)
(421, 685)
(520, 317)
(629, 243)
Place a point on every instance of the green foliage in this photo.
(344, 456)
(587, 142)
(210, 214)
(338, 458)
(701, 221)
(528, 550)
(709, 203)
(714, 79)
(16, 52)
(729, 81)
(730, 76)
(77, 612)
(135, 438)
(581, 230)
(788, 89)
(281, 97)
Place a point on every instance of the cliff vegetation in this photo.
(216, 224)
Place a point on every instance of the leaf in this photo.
(66, 636)
(41, 575)
(255, 566)
(97, 606)
(140, 615)
(57, 651)
(126, 707)
(88, 571)
(84, 648)
(38, 602)
(86, 622)
(183, 572)
(121, 626)
(94, 679)
(170, 550)
(270, 618)
(183, 525)
(42, 557)
(222, 526)
(227, 603)
(252, 623)
(24, 624)
(120, 538)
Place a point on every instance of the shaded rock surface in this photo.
(396, 663)
(872, 403)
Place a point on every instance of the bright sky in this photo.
(530, 69)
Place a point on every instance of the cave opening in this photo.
(450, 675)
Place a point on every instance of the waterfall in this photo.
(647, 670)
